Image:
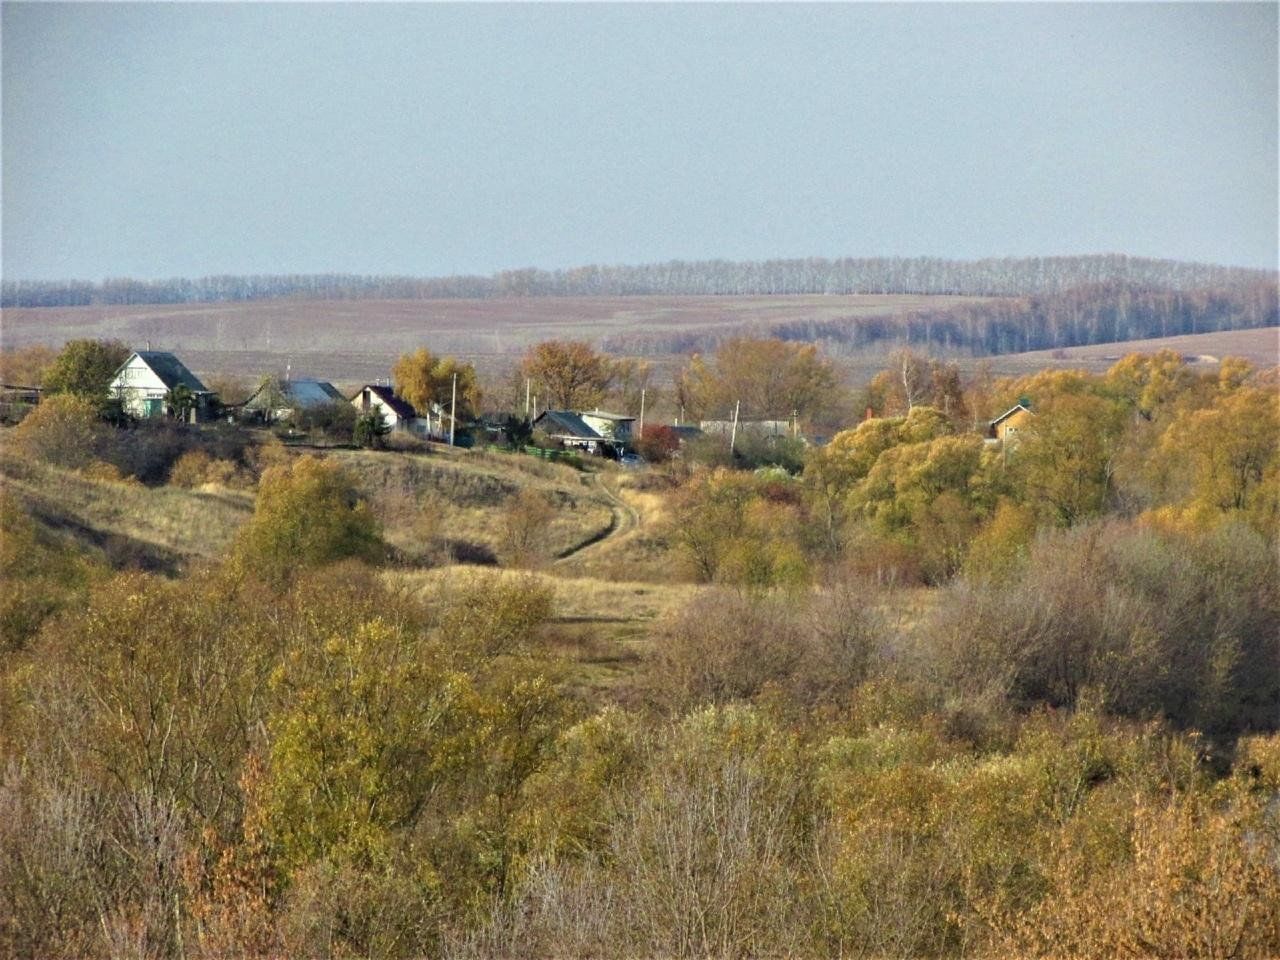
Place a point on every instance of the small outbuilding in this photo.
(1006, 426)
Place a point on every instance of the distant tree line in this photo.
(1080, 316)
(1005, 277)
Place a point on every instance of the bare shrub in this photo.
(53, 843)
(334, 911)
(726, 645)
(705, 859)
(526, 518)
(1199, 882)
(82, 874)
(1174, 624)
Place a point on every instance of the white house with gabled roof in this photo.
(144, 385)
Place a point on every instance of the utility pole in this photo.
(642, 412)
(733, 436)
(453, 409)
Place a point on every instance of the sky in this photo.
(160, 140)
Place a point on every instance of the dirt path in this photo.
(624, 520)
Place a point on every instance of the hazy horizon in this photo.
(569, 268)
(175, 140)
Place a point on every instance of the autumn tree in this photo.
(772, 379)
(568, 374)
(26, 367)
(366, 722)
(629, 380)
(65, 430)
(1148, 383)
(1065, 457)
(833, 471)
(1225, 457)
(85, 368)
(929, 495)
(423, 379)
(911, 380)
(659, 443)
(736, 528)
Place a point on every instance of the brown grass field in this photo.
(128, 524)
(1260, 346)
(360, 339)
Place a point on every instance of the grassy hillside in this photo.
(457, 505)
(449, 505)
(158, 528)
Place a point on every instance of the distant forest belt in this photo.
(359, 339)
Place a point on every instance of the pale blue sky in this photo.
(157, 140)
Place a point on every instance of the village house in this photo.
(611, 426)
(399, 414)
(1006, 426)
(282, 399)
(570, 430)
(148, 383)
(610, 434)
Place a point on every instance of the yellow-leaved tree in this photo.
(424, 380)
(1224, 459)
(308, 514)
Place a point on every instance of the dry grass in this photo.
(600, 626)
(641, 553)
(151, 527)
(453, 504)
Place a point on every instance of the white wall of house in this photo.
(435, 423)
(615, 428)
(367, 401)
(140, 391)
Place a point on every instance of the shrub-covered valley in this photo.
(883, 681)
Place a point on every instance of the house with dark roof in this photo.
(399, 414)
(611, 426)
(278, 399)
(145, 385)
(571, 430)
